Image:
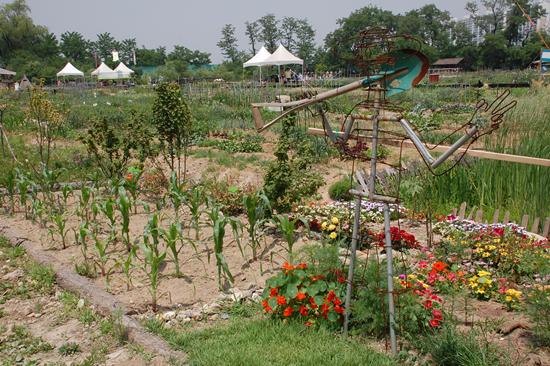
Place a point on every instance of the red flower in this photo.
(301, 266)
(312, 302)
(308, 324)
(341, 279)
(300, 296)
(439, 266)
(438, 315)
(434, 323)
(129, 177)
(281, 300)
(266, 306)
(428, 304)
(288, 311)
(287, 267)
(274, 292)
(339, 309)
(303, 310)
(337, 301)
(331, 296)
(325, 308)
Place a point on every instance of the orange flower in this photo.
(288, 311)
(308, 324)
(439, 266)
(281, 300)
(303, 310)
(300, 296)
(266, 306)
(301, 266)
(274, 292)
(287, 267)
(129, 177)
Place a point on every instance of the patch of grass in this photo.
(227, 159)
(451, 347)
(19, 344)
(138, 350)
(69, 348)
(265, 342)
(114, 327)
(339, 191)
(43, 276)
(71, 309)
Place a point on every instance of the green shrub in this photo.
(538, 309)
(339, 191)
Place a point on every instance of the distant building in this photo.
(447, 66)
(6, 79)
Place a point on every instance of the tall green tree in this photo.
(253, 33)
(288, 29)
(270, 34)
(104, 46)
(151, 57)
(74, 46)
(517, 29)
(228, 43)
(305, 42)
(489, 15)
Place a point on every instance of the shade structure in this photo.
(7, 72)
(103, 72)
(280, 57)
(258, 58)
(123, 72)
(70, 70)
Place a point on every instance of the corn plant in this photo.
(38, 210)
(23, 185)
(81, 238)
(194, 199)
(176, 193)
(66, 192)
(153, 258)
(127, 265)
(131, 183)
(10, 183)
(218, 222)
(47, 179)
(59, 227)
(102, 247)
(258, 210)
(86, 194)
(107, 207)
(173, 236)
(287, 227)
(124, 207)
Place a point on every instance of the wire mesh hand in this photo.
(493, 113)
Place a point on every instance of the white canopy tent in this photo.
(104, 72)
(258, 58)
(123, 72)
(70, 70)
(282, 56)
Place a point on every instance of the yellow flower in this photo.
(480, 291)
(333, 235)
(508, 298)
(324, 225)
(335, 220)
(492, 247)
(485, 255)
(483, 273)
(331, 227)
(411, 277)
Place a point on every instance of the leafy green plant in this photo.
(176, 193)
(124, 207)
(84, 200)
(10, 182)
(131, 183)
(59, 227)
(102, 246)
(538, 309)
(339, 191)
(127, 265)
(287, 228)
(153, 257)
(172, 119)
(194, 199)
(69, 348)
(173, 238)
(219, 221)
(66, 192)
(258, 209)
(23, 185)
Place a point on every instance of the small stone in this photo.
(168, 315)
(15, 275)
(80, 304)
(256, 297)
(37, 315)
(186, 320)
(213, 309)
(224, 316)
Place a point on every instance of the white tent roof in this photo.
(123, 72)
(70, 70)
(102, 69)
(282, 57)
(257, 60)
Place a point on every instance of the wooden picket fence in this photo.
(476, 214)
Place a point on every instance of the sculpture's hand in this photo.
(493, 113)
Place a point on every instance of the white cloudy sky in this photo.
(197, 24)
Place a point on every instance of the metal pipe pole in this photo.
(374, 153)
(389, 266)
(354, 240)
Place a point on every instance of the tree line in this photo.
(503, 38)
